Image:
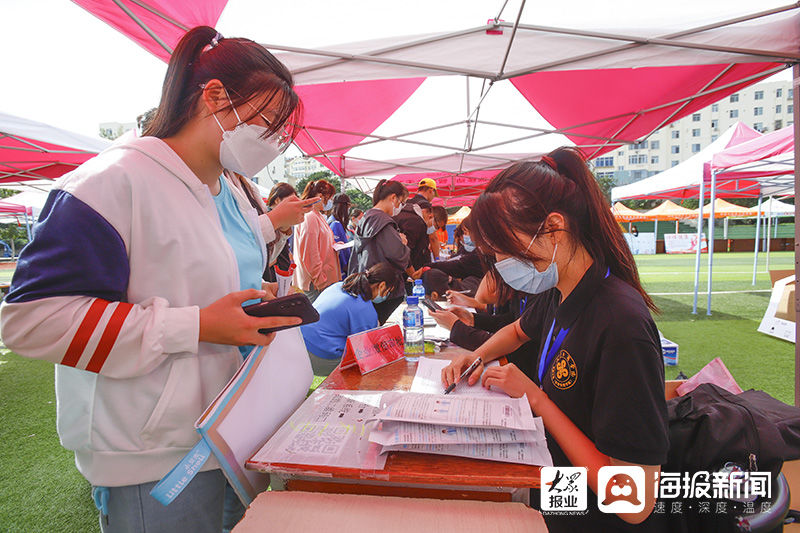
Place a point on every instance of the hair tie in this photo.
(549, 161)
(213, 44)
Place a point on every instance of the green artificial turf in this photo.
(40, 489)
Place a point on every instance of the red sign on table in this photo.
(374, 348)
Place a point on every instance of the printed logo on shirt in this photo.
(564, 371)
(620, 489)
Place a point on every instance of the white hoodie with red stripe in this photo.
(127, 250)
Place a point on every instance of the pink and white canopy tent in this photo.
(11, 212)
(596, 88)
(764, 164)
(683, 180)
(32, 152)
(482, 97)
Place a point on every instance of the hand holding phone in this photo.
(223, 322)
(430, 304)
(295, 305)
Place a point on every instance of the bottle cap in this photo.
(412, 300)
(417, 282)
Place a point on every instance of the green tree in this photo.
(605, 183)
(13, 233)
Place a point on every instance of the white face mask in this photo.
(244, 150)
(396, 210)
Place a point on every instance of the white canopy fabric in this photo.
(31, 198)
(35, 152)
(775, 207)
(683, 180)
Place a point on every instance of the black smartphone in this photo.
(291, 305)
(430, 304)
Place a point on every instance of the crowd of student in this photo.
(143, 257)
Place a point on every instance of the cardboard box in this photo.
(786, 305)
(775, 275)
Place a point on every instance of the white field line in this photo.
(703, 270)
(703, 292)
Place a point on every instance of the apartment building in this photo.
(765, 106)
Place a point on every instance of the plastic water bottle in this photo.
(418, 290)
(413, 332)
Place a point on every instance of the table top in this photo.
(408, 467)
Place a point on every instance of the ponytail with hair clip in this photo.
(550, 162)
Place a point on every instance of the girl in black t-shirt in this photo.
(598, 381)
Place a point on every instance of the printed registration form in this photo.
(428, 380)
(450, 410)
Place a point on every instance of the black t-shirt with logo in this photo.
(607, 376)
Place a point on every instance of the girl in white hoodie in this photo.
(136, 275)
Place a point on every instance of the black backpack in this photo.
(710, 427)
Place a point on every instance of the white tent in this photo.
(32, 198)
(775, 207)
(683, 180)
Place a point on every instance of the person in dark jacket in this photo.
(426, 191)
(415, 221)
(378, 240)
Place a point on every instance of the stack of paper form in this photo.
(469, 422)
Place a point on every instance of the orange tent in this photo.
(723, 209)
(669, 210)
(626, 214)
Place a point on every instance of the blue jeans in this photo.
(199, 508)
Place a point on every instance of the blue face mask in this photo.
(522, 275)
(328, 205)
(468, 244)
(379, 299)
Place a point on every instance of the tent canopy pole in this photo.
(711, 239)
(769, 228)
(699, 247)
(796, 118)
(758, 236)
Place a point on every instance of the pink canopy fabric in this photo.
(605, 99)
(596, 88)
(453, 189)
(762, 166)
(32, 151)
(8, 208)
(767, 146)
(334, 111)
(155, 25)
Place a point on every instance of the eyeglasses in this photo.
(283, 138)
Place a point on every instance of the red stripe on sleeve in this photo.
(84, 332)
(109, 337)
